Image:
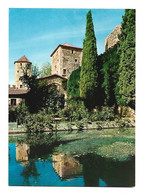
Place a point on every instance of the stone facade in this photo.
(112, 38)
(21, 65)
(65, 59)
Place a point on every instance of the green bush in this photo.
(124, 123)
(80, 125)
(18, 114)
(36, 123)
(73, 84)
(74, 111)
(22, 111)
(106, 113)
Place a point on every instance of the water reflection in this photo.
(66, 166)
(39, 167)
(22, 151)
(113, 173)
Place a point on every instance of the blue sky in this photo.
(35, 33)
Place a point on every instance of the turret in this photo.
(21, 65)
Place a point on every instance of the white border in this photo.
(140, 94)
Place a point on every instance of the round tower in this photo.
(21, 65)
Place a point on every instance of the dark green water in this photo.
(37, 166)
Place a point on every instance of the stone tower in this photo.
(112, 38)
(65, 59)
(21, 64)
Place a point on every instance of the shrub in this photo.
(124, 123)
(106, 113)
(73, 84)
(80, 125)
(22, 111)
(99, 125)
(36, 123)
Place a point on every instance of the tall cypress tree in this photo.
(89, 72)
(126, 83)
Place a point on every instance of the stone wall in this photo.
(65, 60)
(55, 62)
(19, 66)
(112, 39)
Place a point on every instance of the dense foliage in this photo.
(36, 123)
(73, 84)
(110, 63)
(17, 114)
(126, 84)
(41, 96)
(89, 71)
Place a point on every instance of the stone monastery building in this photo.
(64, 60)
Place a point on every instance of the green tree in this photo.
(89, 71)
(40, 95)
(36, 89)
(73, 84)
(46, 69)
(126, 84)
(110, 61)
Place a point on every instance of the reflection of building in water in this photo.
(66, 167)
(22, 151)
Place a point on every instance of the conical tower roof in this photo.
(23, 59)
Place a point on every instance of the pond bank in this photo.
(73, 126)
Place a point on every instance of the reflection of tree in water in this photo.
(30, 171)
(91, 170)
(113, 173)
(30, 149)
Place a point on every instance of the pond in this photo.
(38, 166)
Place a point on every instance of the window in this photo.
(20, 86)
(64, 71)
(20, 64)
(13, 102)
(72, 51)
(76, 60)
(18, 71)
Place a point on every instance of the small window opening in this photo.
(76, 60)
(20, 86)
(18, 71)
(72, 51)
(13, 102)
(64, 71)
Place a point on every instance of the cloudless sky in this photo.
(35, 33)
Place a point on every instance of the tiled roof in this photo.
(23, 59)
(17, 91)
(48, 76)
(66, 45)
